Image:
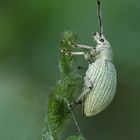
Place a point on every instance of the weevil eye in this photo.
(102, 40)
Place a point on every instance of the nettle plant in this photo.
(65, 91)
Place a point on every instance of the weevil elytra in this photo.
(100, 77)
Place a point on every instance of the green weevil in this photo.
(100, 79)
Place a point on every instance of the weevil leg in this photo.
(74, 45)
(92, 52)
(83, 105)
(86, 55)
(78, 53)
(80, 98)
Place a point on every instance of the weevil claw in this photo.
(74, 45)
(71, 106)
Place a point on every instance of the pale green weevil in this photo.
(100, 78)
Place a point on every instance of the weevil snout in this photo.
(96, 36)
(100, 39)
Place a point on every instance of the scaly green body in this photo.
(100, 79)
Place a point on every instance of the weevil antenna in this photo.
(100, 20)
(73, 117)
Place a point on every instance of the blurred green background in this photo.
(29, 43)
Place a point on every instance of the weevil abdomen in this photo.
(102, 76)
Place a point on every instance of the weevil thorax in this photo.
(103, 48)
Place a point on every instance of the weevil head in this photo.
(100, 39)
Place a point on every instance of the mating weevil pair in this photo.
(100, 77)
